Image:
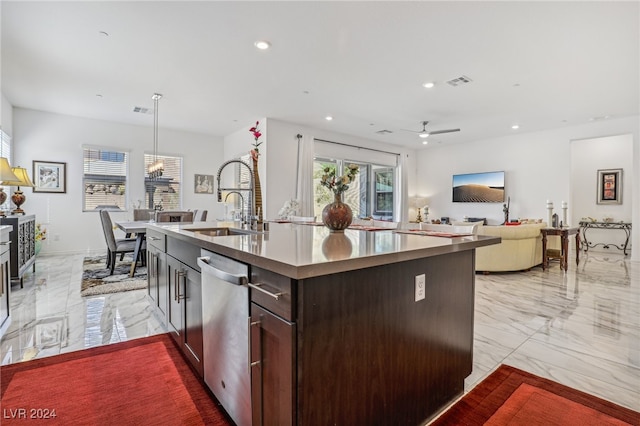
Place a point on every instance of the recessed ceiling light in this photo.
(424, 142)
(98, 95)
(328, 118)
(515, 127)
(262, 44)
(429, 84)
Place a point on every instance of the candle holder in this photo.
(549, 213)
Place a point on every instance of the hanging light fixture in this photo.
(156, 168)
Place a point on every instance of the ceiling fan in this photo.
(424, 133)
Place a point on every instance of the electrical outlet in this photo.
(420, 286)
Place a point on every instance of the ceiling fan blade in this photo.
(437, 132)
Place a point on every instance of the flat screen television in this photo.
(487, 187)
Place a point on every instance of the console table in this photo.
(23, 244)
(624, 226)
(564, 251)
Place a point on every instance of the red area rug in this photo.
(139, 382)
(514, 397)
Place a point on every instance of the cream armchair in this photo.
(520, 249)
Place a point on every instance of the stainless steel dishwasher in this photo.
(225, 316)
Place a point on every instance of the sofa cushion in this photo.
(512, 232)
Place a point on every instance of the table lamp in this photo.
(5, 174)
(417, 202)
(18, 197)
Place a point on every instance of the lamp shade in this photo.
(5, 171)
(22, 178)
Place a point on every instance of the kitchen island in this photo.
(354, 328)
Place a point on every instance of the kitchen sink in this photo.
(222, 231)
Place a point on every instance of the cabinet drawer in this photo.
(185, 252)
(157, 239)
(275, 292)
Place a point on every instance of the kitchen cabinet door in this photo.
(273, 361)
(192, 305)
(175, 313)
(157, 278)
(5, 286)
(184, 315)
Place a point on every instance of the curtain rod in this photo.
(359, 147)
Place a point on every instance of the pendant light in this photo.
(156, 168)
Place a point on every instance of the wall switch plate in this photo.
(420, 287)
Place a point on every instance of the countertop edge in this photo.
(325, 268)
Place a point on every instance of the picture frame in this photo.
(49, 176)
(203, 184)
(609, 186)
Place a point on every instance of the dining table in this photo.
(139, 228)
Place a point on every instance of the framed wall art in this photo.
(203, 184)
(49, 176)
(610, 186)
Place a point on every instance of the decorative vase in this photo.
(38, 247)
(257, 191)
(337, 215)
(337, 246)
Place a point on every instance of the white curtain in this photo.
(304, 184)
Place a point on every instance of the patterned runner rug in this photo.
(96, 279)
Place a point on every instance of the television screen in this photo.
(485, 187)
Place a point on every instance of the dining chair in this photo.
(117, 246)
(174, 216)
(199, 215)
(142, 214)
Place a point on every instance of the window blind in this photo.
(104, 179)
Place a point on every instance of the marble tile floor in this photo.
(580, 328)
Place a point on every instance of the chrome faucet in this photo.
(251, 200)
(241, 203)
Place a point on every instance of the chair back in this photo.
(107, 228)
(142, 214)
(175, 216)
(199, 215)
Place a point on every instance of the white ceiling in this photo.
(542, 65)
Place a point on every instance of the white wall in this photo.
(537, 166)
(587, 157)
(6, 116)
(52, 137)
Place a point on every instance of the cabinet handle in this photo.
(181, 274)
(154, 238)
(258, 286)
(175, 286)
(252, 326)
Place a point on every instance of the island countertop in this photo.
(302, 251)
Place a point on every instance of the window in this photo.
(5, 151)
(371, 194)
(165, 191)
(104, 179)
(374, 192)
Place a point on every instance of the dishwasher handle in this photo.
(237, 279)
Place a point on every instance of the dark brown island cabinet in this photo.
(381, 335)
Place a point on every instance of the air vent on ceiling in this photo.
(463, 79)
(384, 132)
(143, 110)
